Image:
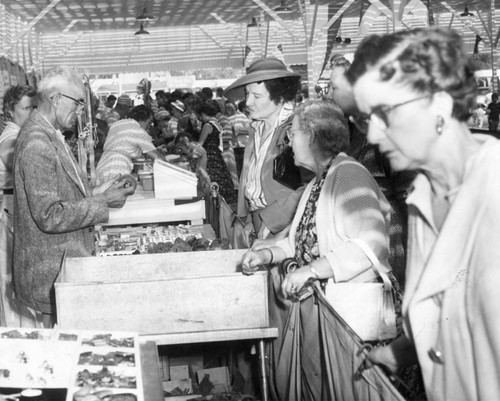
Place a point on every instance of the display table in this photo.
(151, 379)
(260, 334)
(172, 298)
(143, 207)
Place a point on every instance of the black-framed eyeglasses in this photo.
(79, 103)
(379, 115)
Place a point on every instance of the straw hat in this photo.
(262, 69)
(178, 105)
(161, 115)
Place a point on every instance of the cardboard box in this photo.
(161, 293)
(180, 372)
(217, 376)
(183, 385)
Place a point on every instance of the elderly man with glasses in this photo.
(55, 207)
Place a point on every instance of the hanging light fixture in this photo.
(253, 23)
(141, 31)
(283, 8)
(466, 13)
(145, 17)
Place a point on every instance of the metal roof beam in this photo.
(332, 20)
(238, 35)
(211, 37)
(277, 18)
(29, 26)
(61, 53)
(384, 10)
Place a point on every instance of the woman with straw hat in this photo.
(267, 205)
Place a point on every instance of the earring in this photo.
(439, 124)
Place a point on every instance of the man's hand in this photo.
(116, 194)
(99, 189)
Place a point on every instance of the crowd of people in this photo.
(379, 178)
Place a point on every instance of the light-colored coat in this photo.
(358, 210)
(452, 302)
(53, 214)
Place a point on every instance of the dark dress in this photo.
(216, 166)
(493, 116)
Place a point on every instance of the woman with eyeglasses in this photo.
(127, 140)
(341, 207)
(18, 103)
(416, 89)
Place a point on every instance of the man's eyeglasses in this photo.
(79, 103)
(379, 115)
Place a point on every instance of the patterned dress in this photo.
(306, 240)
(409, 383)
(216, 166)
(306, 237)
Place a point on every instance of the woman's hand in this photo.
(382, 356)
(394, 356)
(199, 153)
(294, 282)
(253, 259)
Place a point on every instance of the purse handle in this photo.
(374, 260)
(364, 246)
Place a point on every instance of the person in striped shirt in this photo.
(127, 140)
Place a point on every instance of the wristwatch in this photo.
(314, 272)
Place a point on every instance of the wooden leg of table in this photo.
(165, 367)
(263, 371)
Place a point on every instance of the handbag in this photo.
(285, 171)
(368, 308)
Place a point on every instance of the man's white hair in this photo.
(57, 79)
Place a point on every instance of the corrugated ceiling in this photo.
(98, 35)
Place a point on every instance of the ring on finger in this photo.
(293, 289)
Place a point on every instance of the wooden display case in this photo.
(161, 293)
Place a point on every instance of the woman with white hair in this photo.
(340, 227)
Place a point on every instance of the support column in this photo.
(493, 46)
(316, 41)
